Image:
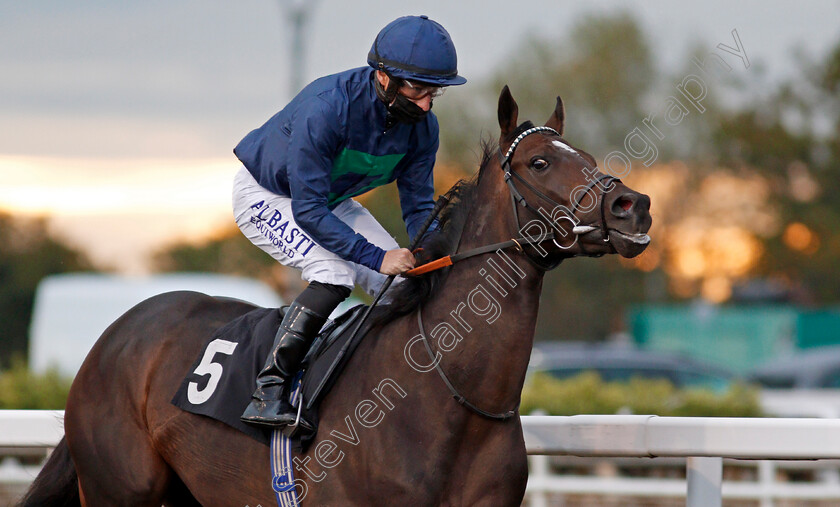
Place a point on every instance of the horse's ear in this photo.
(508, 112)
(558, 117)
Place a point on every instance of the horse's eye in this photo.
(539, 164)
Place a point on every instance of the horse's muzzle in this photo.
(628, 221)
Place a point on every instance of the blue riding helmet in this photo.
(416, 48)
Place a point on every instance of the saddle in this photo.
(324, 352)
(239, 349)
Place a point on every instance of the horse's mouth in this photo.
(638, 238)
(629, 245)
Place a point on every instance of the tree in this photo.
(792, 137)
(603, 69)
(28, 254)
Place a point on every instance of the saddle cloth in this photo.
(220, 382)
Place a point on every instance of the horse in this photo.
(392, 431)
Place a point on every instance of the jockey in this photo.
(342, 135)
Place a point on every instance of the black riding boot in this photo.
(270, 404)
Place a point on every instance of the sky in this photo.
(119, 118)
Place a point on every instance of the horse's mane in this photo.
(413, 292)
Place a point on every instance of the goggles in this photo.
(418, 91)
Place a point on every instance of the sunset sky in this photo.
(119, 209)
(119, 117)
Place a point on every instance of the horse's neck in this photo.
(491, 302)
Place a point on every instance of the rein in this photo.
(449, 260)
(501, 416)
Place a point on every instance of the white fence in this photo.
(703, 441)
(26, 437)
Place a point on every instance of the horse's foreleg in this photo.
(495, 475)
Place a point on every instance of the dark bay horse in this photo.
(390, 432)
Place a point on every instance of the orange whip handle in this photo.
(430, 266)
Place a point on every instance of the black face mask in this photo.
(399, 107)
(406, 111)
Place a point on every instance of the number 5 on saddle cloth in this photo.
(220, 381)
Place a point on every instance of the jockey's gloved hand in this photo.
(397, 261)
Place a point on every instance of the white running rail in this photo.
(703, 441)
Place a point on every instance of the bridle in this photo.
(604, 182)
(518, 198)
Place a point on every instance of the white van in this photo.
(72, 310)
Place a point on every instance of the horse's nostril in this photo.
(624, 203)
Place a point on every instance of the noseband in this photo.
(518, 198)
